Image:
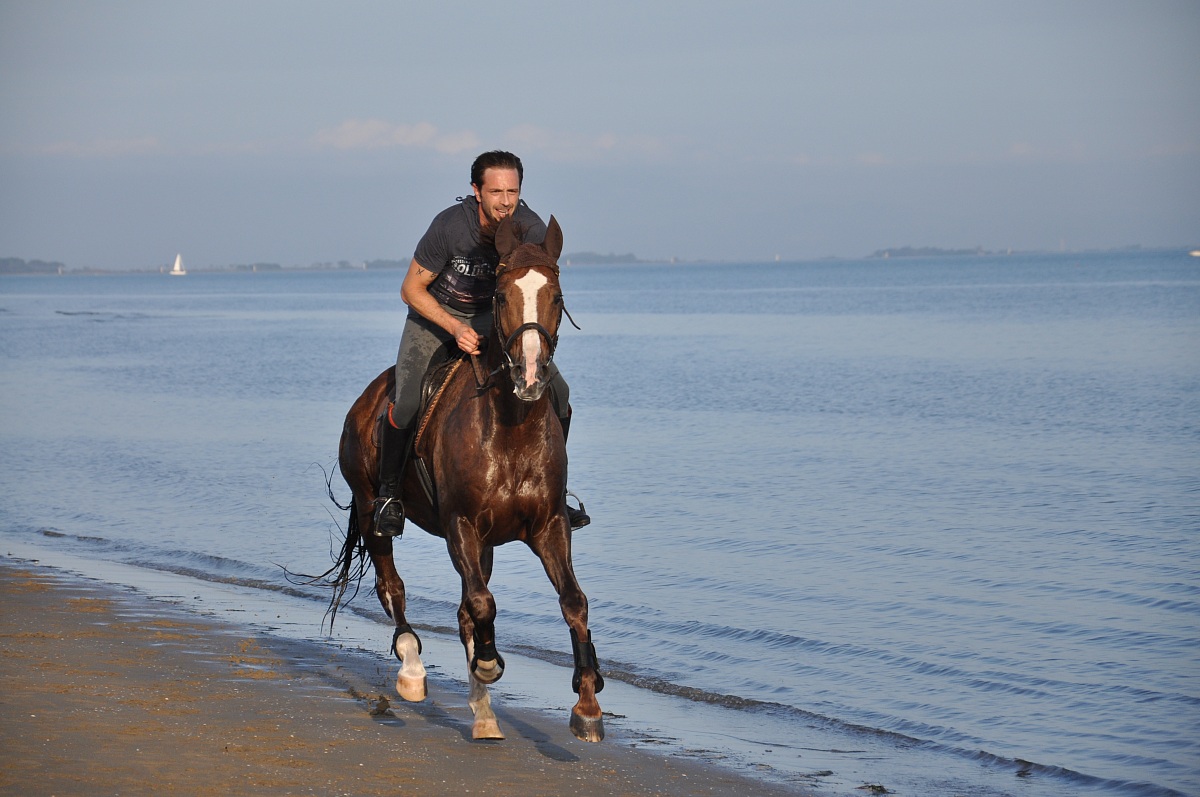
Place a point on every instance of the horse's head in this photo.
(528, 306)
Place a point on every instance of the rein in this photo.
(483, 381)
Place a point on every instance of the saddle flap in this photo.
(432, 387)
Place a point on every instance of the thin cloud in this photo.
(107, 148)
(1069, 152)
(1022, 149)
(564, 146)
(355, 134)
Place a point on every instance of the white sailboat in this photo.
(179, 270)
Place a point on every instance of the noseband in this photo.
(535, 326)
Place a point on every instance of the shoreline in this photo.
(108, 691)
(593, 259)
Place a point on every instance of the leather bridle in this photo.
(551, 340)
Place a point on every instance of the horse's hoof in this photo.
(589, 729)
(414, 690)
(488, 672)
(486, 729)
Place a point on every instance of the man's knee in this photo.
(560, 394)
(405, 405)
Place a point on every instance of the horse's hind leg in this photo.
(553, 549)
(358, 458)
(411, 679)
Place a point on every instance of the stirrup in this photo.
(389, 507)
(578, 518)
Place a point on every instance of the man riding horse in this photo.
(448, 289)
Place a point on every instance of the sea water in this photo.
(929, 523)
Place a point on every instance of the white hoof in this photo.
(414, 690)
(486, 729)
(411, 680)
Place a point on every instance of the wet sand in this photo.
(104, 691)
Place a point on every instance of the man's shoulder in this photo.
(449, 234)
(455, 214)
(534, 229)
(452, 225)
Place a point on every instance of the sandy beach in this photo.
(103, 691)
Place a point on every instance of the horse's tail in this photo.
(349, 566)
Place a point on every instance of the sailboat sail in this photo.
(179, 270)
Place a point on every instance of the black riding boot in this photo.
(393, 455)
(578, 518)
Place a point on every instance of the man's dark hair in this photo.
(496, 159)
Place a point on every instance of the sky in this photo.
(299, 132)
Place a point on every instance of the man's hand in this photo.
(468, 339)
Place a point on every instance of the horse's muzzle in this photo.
(530, 368)
(525, 388)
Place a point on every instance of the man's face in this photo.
(497, 196)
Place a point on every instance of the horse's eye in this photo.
(501, 299)
(558, 298)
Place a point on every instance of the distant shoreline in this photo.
(16, 267)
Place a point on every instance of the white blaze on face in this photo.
(531, 341)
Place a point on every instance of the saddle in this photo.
(432, 385)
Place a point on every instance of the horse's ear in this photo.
(554, 242)
(507, 239)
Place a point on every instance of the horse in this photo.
(489, 467)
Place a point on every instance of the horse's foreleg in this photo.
(485, 725)
(554, 550)
(476, 630)
(406, 645)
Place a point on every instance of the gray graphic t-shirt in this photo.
(454, 249)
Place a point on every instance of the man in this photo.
(448, 289)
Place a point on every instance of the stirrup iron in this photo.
(578, 518)
(384, 504)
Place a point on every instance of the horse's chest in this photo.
(498, 466)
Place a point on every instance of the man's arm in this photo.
(415, 293)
